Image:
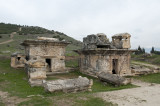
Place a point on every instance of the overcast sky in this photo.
(79, 18)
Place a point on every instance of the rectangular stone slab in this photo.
(69, 85)
(113, 79)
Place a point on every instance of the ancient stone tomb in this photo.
(100, 55)
(18, 60)
(42, 55)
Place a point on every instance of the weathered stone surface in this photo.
(69, 85)
(50, 50)
(100, 55)
(35, 82)
(143, 70)
(96, 41)
(103, 38)
(36, 70)
(121, 41)
(45, 38)
(113, 79)
(18, 60)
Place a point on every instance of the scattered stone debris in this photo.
(69, 85)
(113, 79)
(143, 70)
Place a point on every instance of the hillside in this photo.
(11, 35)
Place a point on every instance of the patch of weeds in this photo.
(71, 63)
(14, 81)
(1, 103)
(152, 78)
(51, 78)
(36, 101)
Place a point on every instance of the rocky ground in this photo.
(10, 100)
(148, 94)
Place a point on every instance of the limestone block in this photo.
(37, 73)
(69, 85)
(113, 79)
(35, 82)
(45, 38)
(37, 64)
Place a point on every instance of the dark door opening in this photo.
(115, 66)
(49, 62)
(27, 58)
(18, 58)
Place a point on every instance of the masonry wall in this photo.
(15, 63)
(93, 64)
(55, 53)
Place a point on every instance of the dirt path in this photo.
(10, 100)
(145, 64)
(8, 41)
(147, 94)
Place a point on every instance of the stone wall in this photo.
(18, 60)
(53, 52)
(121, 41)
(36, 70)
(93, 64)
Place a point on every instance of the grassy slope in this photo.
(16, 47)
(15, 82)
(152, 78)
(154, 59)
(30, 32)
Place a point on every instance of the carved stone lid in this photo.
(44, 42)
(121, 35)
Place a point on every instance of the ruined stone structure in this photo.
(42, 55)
(99, 55)
(18, 60)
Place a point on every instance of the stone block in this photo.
(69, 85)
(113, 79)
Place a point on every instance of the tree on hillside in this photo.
(143, 51)
(152, 50)
(140, 51)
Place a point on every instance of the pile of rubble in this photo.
(143, 70)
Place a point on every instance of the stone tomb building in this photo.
(42, 55)
(99, 55)
(18, 60)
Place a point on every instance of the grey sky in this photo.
(78, 18)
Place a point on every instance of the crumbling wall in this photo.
(54, 51)
(93, 64)
(96, 41)
(36, 70)
(121, 41)
(18, 60)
